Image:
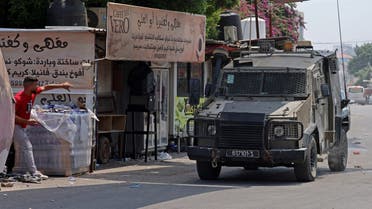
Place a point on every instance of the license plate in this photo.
(243, 153)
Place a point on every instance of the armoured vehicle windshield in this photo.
(264, 82)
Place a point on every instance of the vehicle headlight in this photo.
(279, 131)
(212, 130)
(287, 130)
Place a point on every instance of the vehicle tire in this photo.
(206, 170)
(337, 157)
(307, 171)
(251, 167)
(104, 150)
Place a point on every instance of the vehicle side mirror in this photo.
(333, 66)
(325, 90)
(344, 103)
(208, 90)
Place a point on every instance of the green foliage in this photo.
(285, 18)
(27, 14)
(212, 22)
(32, 13)
(363, 74)
(211, 8)
(362, 59)
(3, 12)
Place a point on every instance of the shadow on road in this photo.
(149, 184)
(178, 173)
(112, 196)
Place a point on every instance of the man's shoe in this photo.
(40, 175)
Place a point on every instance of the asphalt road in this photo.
(174, 184)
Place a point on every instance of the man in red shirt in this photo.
(24, 158)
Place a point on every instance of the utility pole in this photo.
(256, 15)
(270, 19)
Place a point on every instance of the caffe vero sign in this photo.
(146, 34)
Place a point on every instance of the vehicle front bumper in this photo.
(268, 157)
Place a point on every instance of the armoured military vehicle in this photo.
(273, 109)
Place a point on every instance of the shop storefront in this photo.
(133, 64)
(62, 146)
(191, 81)
(195, 80)
(115, 97)
(160, 40)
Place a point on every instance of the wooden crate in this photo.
(112, 122)
(105, 123)
(118, 122)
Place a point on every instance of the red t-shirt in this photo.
(24, 104)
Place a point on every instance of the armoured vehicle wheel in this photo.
(307, 171)
(337, 158)
(206, 171)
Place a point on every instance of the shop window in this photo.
(182, 86)
(187, 74)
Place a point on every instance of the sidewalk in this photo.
(117, 172)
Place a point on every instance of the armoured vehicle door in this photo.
(320, 103)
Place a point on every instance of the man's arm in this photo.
(20, 120)
(65, 85)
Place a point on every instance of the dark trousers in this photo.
(10, 160)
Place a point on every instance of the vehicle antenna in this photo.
(341, 45)
(250, 31)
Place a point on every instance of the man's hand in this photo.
(66, 86)
(32, 122)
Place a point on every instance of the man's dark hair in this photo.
(28, 80)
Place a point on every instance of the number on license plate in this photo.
(243, 153)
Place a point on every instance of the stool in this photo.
(132, 109)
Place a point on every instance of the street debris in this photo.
(358, 167)
(10, 179)
(356, 152)
(27, 178)
(127, 159)
(134, 186)
(72, 180)
(164, 156)
(8, 184)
